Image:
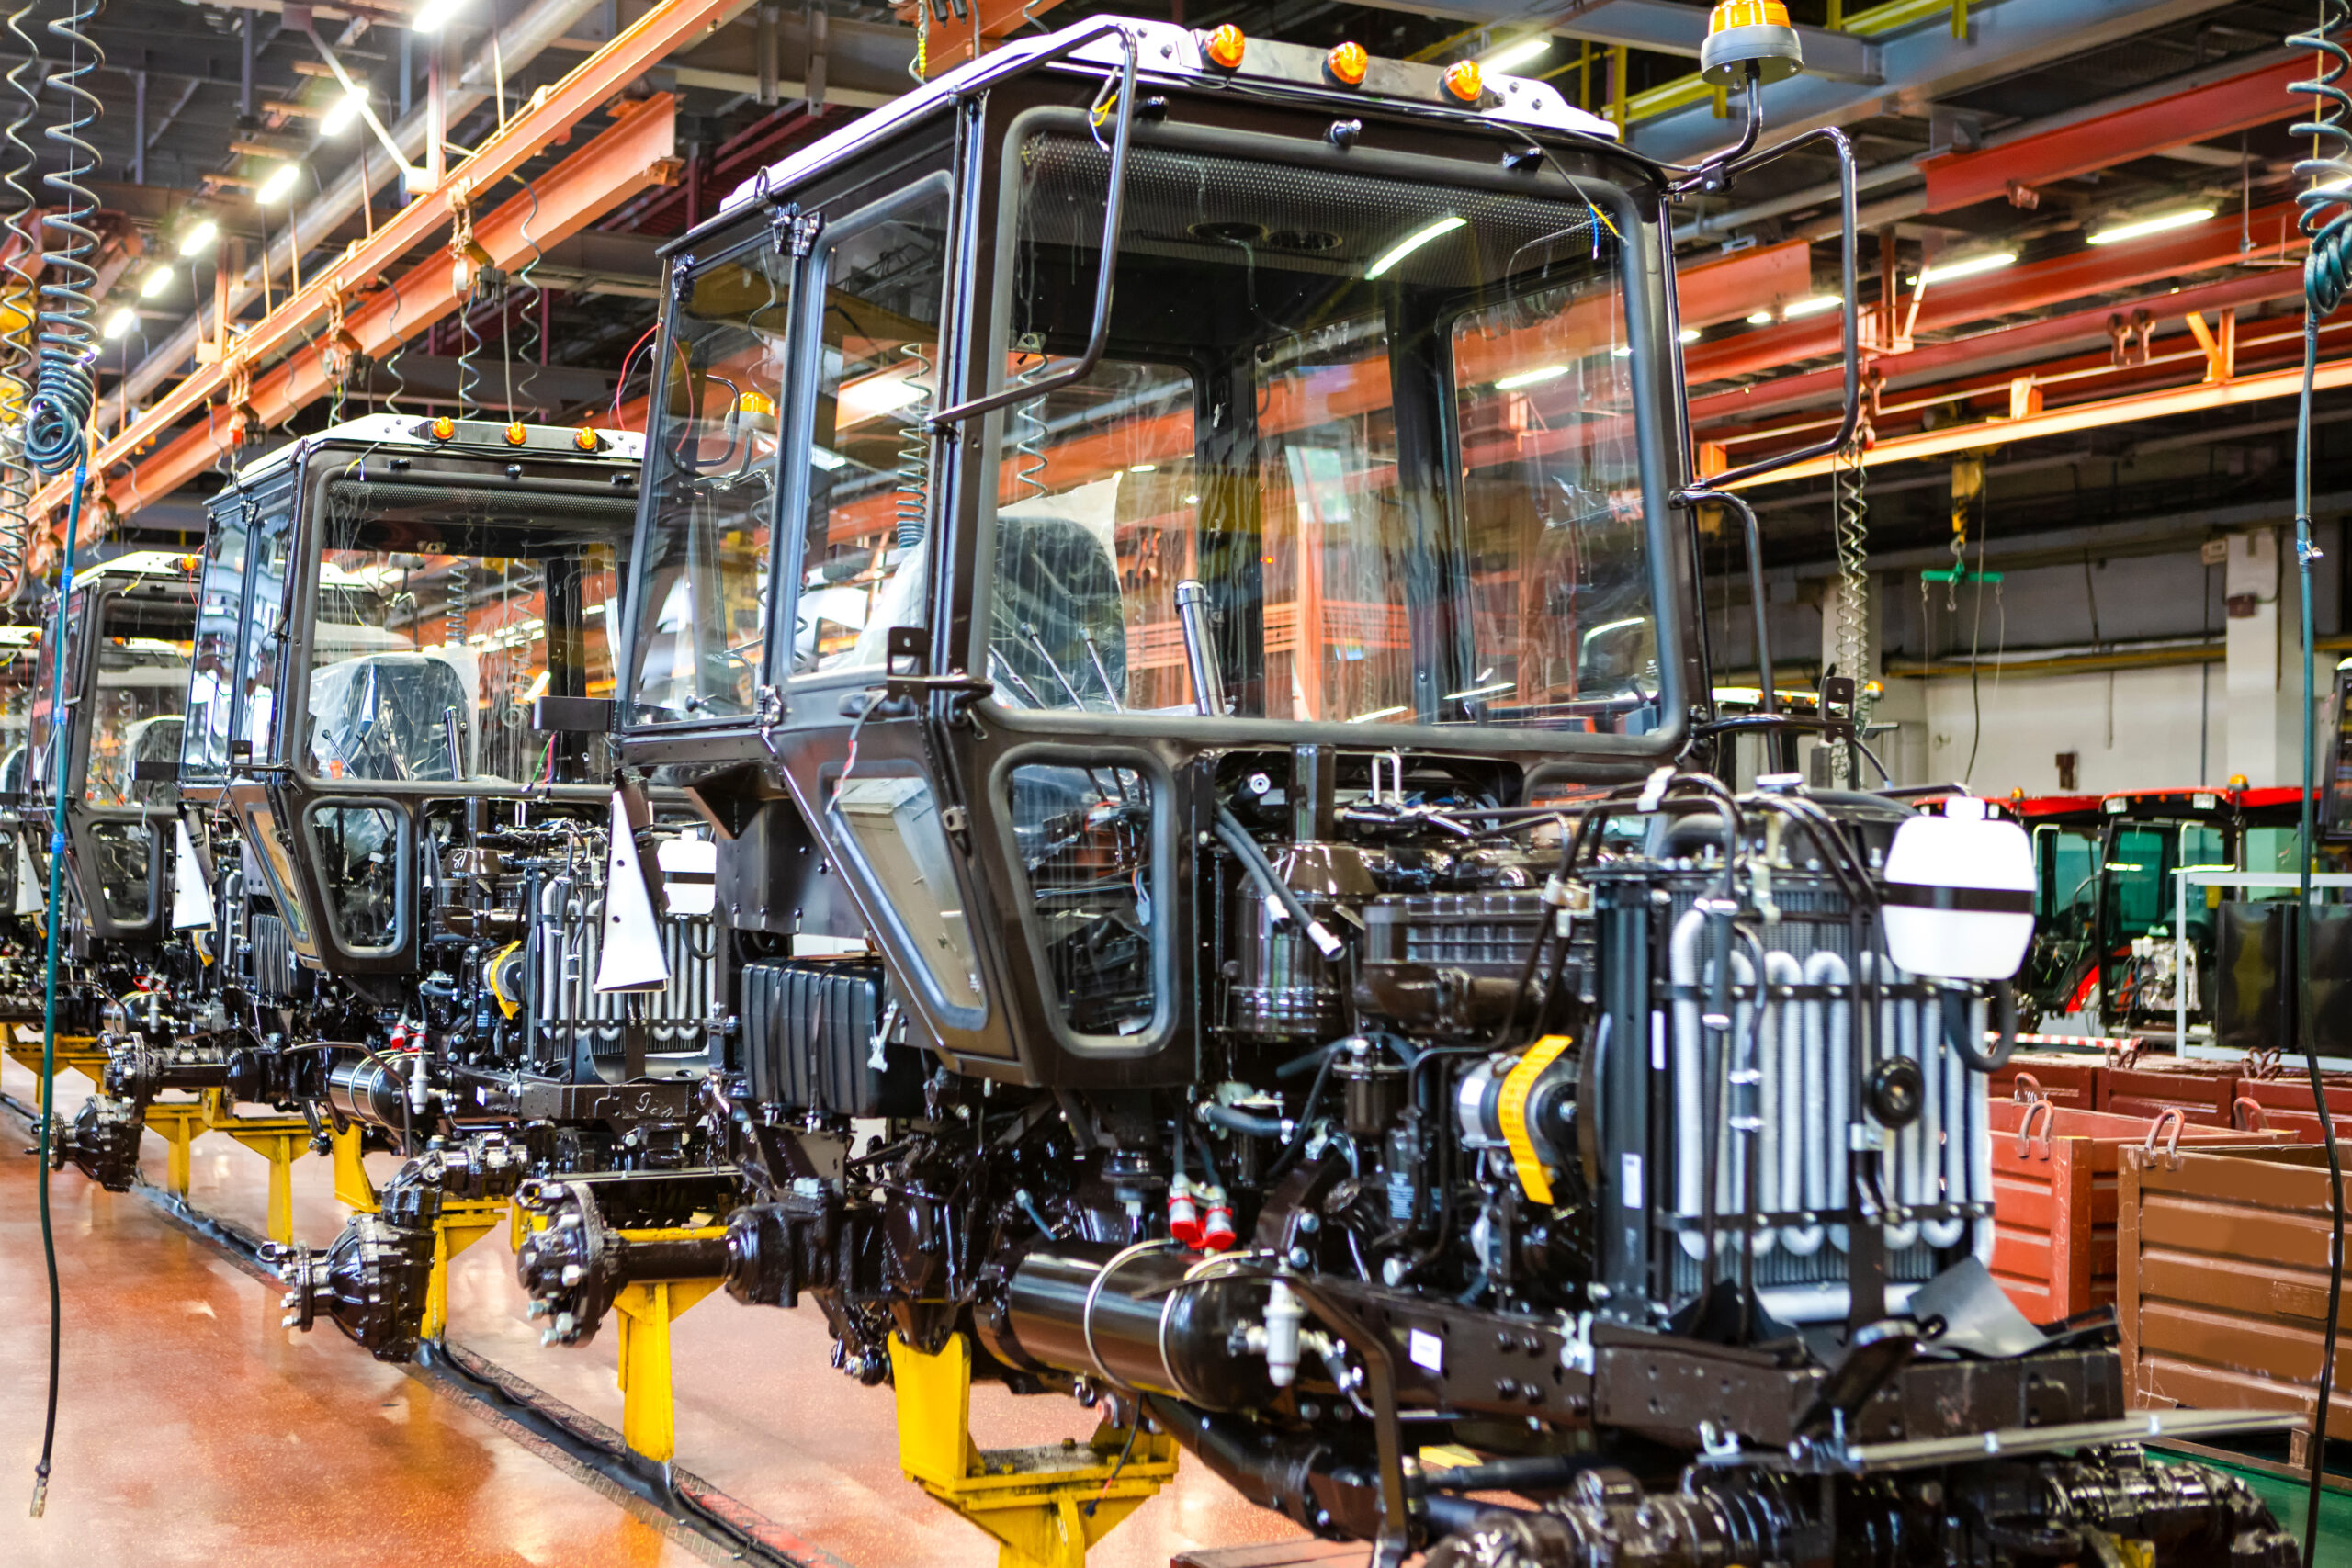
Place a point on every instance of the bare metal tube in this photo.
(1199, 650)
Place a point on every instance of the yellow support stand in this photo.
(463, 1222)
(281, 1140)
(352, 1187)
(1043, 1505)
(649, 1418)
(179, 1122)
(75, 1053)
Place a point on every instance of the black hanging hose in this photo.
(2326, 219)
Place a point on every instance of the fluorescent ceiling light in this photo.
(432, 14)
(279, 185)
(826, 458)
(1143, 467)
(1689, 335)
(199, 238)
(861, 401)
(342, 112)
(1413, 241)
(1813, 307)
(1759, 317)
(156, 282)
(1622, 351)
(1947, 272)
(1485, 691)
(2147, 226)
(1532, 47)
(1531, 377)
(121, 321)
(1380, 713)
(1192, 500)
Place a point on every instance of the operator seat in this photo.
(381, 716)
(1056, 582)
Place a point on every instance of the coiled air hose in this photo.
(66, 387)
(17, 359)
(2327, 222)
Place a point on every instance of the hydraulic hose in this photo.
(60, 751)
(2326, 221)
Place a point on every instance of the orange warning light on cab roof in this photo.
(585, 439)
(1348, 62)
(1226, 46)
(444, 428)
(1465, 80)
(516, 434)
(1748, 14)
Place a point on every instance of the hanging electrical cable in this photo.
(476, 278)
(1853, 590)
(2327, 221)
(65, 388)
(391, 362)
(533, 296)
(913, 487)
(17, 341)
(1029, 425)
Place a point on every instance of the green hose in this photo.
(59, 750)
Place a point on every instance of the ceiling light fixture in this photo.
(156, 282)
(1689, 335)
(121, 321)
(432, 14)
(2147, 226)
(1534, 46)
(1759, 317)
(200, 238)
(1411, 242)
(1813, 307)
(343, 111)
(280, 185)
(1531, 377)
(1952, 271)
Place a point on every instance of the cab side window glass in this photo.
(862, 568)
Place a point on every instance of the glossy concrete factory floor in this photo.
(193, 1429)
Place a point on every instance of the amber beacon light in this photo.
(1226, 47)
(1749, 39)
(1465, 80)
(1347, 62)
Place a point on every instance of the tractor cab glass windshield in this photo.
(131, 708)
(711, 471)
(438, 614)
(1388, 424)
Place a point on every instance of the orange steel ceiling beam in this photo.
(1902, 370)
(551, 118)
(2032, 285)
(636, 153)
(1944, 441)
(1758, 279)
(2237, 103)
(951, 41)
